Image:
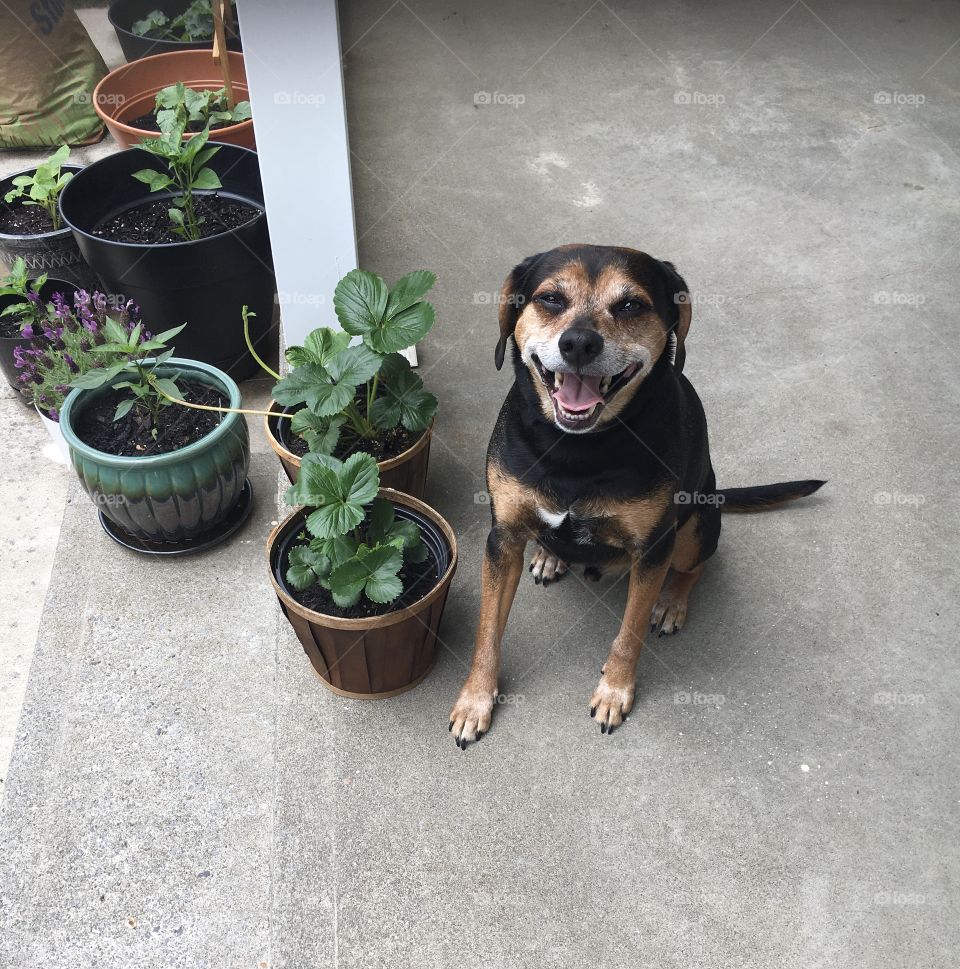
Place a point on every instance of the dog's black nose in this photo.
(580, 346)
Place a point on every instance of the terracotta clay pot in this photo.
(130, 92)
(407, 472)
(380, 656)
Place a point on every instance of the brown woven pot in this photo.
(381, 656)
(130, 92)
(407, 472)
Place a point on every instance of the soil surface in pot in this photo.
(131, 437)
(10, 327)
(148, 122)
(418, 579)
(149, 224)
(25, 220)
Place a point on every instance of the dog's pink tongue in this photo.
(578, 392)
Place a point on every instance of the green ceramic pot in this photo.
(166, 497)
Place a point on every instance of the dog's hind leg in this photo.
(500, 575)
(696, 542)
(546, 567)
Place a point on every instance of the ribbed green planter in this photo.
(166, 497)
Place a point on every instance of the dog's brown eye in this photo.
(631, 306)
(552, 301)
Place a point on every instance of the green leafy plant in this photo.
(127, 352)
(369, 388)
(356, 545)
(31, 311)
(44, 186)
(185, 160)
(182, 106)
(194, 24)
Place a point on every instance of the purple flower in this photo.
(100, 302)
(53, 414)
(27, 331)
(34, 298)
(63, 388)
(71, 363)
(84, 345)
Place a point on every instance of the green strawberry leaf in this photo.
(360, 301)
(409, 290)
(403, 330)
(354, 365)
(373, 571)
(403, 400)
(339, 491)
(320, 433)
(305, 565)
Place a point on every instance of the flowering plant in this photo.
(64, 347)
(31, 311)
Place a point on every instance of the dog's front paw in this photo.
(546, 567)
(471, 715)
(611, 701)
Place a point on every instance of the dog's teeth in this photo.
(605, 385)
(558, 378)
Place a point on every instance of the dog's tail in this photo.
(765, 497)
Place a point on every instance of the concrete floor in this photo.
(183, 791)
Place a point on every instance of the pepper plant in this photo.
(127, 352)
(368, 388)
(44, 186)
(31, 311)
(185, 161)
(354, 542)
(181, 105)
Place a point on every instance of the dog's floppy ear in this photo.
(679, 296)
(513, 296)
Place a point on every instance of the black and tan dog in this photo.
(600, 456)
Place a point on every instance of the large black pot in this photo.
(204, 284)
(124, 13)
(54, 253)
(9, 344)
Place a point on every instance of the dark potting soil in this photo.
(418, 579)
(148, 122)
(149, 224)
(24, 220)
(9, 327)
(131, 437)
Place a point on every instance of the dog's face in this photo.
(590, 323)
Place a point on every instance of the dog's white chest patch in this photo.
(553, 518)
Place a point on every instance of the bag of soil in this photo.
(48, 70)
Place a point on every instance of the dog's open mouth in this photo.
(578, 399)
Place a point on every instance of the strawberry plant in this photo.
(355, 544)
(368, 388)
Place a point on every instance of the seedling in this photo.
(185, 160)
(128, 352)
(44, 186)
(194, 24)
(32, 310)
(357, 545)
(179, 105)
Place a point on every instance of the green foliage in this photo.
(185, 161)
(126, 353)
(328, 373)
(194, 24)
(44, 186)
(31, 311)
(180, 106)
(356, 544)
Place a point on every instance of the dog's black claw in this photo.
(603, 728)
(450, 727)
(593, 711)
(546, 582)
(536, 580)
(530, 567)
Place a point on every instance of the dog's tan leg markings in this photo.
(545, 566)
(500, 575)
(613, 697)
(670, 611)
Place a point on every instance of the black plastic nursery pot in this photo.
(124, 13)
(205, 283)
(379, 656)
(165, 502)
(55, 253)
(9, 344)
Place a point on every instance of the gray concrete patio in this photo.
(183, 791)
